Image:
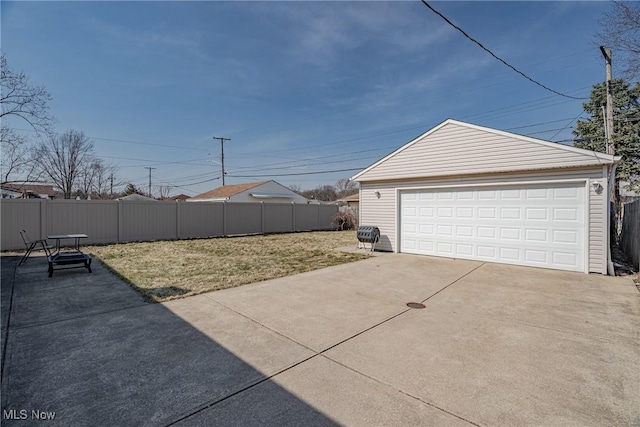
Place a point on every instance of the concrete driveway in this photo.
(495, 345)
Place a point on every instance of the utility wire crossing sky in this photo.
(308, 92)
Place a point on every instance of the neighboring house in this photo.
(349, 204)
(626, 195)
(136, 198)
(179, 197)
(27, 191)
(471, 192)
(351, 201)
(263, 191)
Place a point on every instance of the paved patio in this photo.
(495, 345)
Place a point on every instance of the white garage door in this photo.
(532, 225)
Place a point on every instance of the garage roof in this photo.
(459, 148)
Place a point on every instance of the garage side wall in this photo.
(379, 204)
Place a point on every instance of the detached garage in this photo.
(465, 191)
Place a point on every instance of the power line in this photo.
(539, 124)
(494, 55)
(567, 125)
(297, 174)
(295, 163)
(189, 183)
(129, 142)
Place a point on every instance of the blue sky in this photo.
(299, 87)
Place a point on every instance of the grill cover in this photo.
(368, 234)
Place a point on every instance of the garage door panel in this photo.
(536, 193)
(486, 232)
(564, 258)
(536, 214)
(426, 213)
(524, 225)
(409, 227)
(463, 231)
(486, 213)
(486, 252)
(565, 236)
(445, 231)
(566, 193)
(507, 233)
(510, 254)
(464, 212)
(427, 246)
(409, 212)
(536, 235)
(487, 195)
(464, 249)
(564, 214)
(510, 213)
(536, 257)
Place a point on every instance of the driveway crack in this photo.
(452, 283)
(433, 405)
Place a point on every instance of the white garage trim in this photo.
(580, 248)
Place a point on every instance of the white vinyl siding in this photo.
(457, 148)
(383, 211)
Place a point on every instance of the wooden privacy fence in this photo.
(111, 221)
(630, 236)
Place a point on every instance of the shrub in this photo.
(344, 221)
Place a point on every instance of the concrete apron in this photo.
(495, 345)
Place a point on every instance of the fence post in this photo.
(224, 218)
(293, 216)
(119, 220)
(177, 219)
(43, 219)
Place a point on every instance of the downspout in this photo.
(612, 181)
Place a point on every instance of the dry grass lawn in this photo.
(161, 271)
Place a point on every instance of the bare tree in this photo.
(346, 187)
(62, 158)
(17, 156)
(164, 190)
(94, 178)
(25, 102)
(325, 193)
(19, 98)
(295, 188)
(621, 33)
(106, 180)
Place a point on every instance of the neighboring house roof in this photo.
(178, 197)
(446, 149)
(137, 198)
(39, 189)
(351, 198)
(263, 191)
(227, 191)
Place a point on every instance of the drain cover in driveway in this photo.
(415, 305)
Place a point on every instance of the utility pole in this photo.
(222, 140)
(111, 179)
(611, 147)
(150, 169)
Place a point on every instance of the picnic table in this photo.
(71, 256)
